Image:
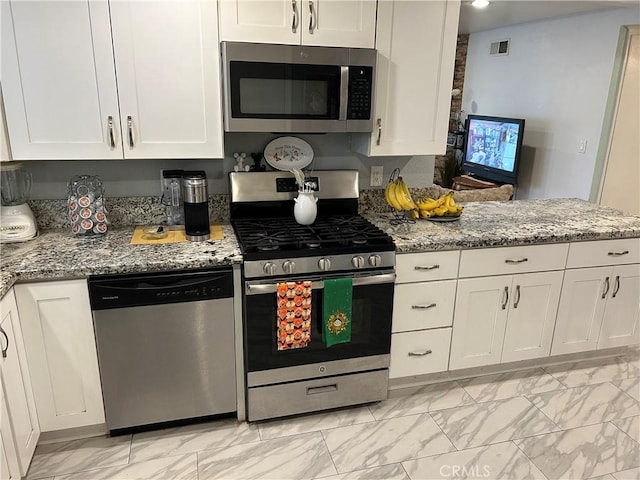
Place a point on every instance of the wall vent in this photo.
(500, 47)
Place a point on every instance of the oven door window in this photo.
(371, 313)
(284, 91)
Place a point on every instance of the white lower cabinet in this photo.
(419, 353)
(599, 308)
(9, 467)
(61, 352)
(20, 430)
(504, 318)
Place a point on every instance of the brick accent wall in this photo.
(456, 103)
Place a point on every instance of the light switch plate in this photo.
(376, 176)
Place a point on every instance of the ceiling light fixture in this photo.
(480, 3)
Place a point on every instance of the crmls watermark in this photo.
(465, 471)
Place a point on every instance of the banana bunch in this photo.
(444, 206)
(397, 196)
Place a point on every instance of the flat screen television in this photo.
(492, 148)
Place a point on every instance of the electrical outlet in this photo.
(376, 176)
(582, 146)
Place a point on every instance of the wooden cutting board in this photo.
(174, 236)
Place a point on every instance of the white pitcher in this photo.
(305, 208)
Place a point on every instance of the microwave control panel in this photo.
(360, 90)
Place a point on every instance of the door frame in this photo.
(611, 110)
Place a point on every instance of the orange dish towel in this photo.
(294, 314)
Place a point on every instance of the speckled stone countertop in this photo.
(519, 222)
(58, 254)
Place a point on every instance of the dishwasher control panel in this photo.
(117, 291)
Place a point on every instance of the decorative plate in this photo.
(285, 153)
(443, 219)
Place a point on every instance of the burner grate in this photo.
(284, 234)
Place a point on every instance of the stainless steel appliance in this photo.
(196, 205)
(165, 346)
(339, 244)
(292, 88)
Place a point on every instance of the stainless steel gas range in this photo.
(284, 259)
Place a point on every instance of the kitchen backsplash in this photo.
(121, 211)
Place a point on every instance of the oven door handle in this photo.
(263, 288)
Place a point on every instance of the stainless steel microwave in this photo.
(289, 88)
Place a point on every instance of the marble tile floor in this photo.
(578, 420)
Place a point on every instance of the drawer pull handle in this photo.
(422, 307)
(519, 260)
(616, 287)
(506, 298)
(294, 19)
(606, 287)
(324, 389)
(4, 350)
(112, 138)
(130, 131)
(430, 267)
(419, 354)
(618, 254)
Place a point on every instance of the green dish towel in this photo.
(336, 308)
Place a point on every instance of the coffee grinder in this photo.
(196, 206)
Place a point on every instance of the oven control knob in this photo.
(375, 260)
(357, 261)
(288, 266)
(324, 264)
(269, 268)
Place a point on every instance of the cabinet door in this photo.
(167, 63)
(620, 325)
(532, 315)
(61, 351)
(479, 321)
(261, 21)
(339, 23)
(581, 309)
(17, 384)
(416, 43)
(58, 80)
(9, 469)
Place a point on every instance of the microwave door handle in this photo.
(344, 92)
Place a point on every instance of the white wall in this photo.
(557, 77)
(142, 177)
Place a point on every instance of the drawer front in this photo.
(419, 353)
(319, 394)
(510, 260)
(417, 306)
(421, 267)
(604, 252)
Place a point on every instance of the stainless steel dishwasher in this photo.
(165, 346)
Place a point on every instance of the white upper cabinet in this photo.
(329, 23)
(167, 64)
(58, 81)
(416, 43)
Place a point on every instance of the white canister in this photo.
(305, 209)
